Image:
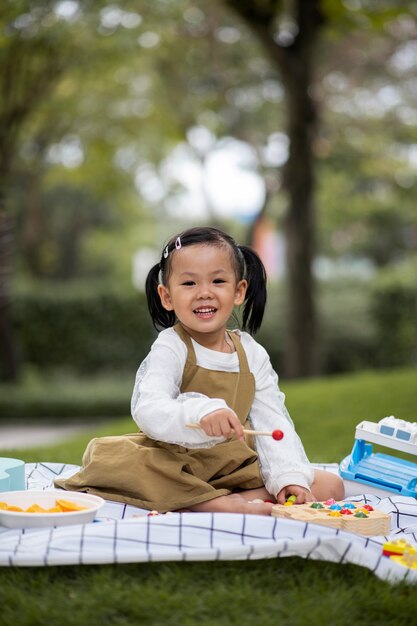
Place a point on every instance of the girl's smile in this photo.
(205, 313)
(202, 290)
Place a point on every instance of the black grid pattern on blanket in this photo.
(126, 534)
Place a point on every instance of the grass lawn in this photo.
(289, 591)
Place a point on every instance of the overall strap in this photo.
(243, 361)
(191, 357)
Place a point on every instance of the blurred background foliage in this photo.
(116, 119)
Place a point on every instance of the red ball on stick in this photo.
(277, 435)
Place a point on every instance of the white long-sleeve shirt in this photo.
(161, 411)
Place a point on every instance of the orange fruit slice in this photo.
(66, 506)
(61, 506)
(35, 508)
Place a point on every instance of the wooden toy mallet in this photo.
(275, 434)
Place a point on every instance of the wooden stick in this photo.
(275, 434)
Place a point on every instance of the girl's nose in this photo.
(205, 291)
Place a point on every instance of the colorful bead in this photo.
(360, 514)
(291, 498)
(330, 501)
(316, 505)
(288, 503)
(334, 513)
(335, 507)
(346, 512)
(349, 505)
(368, 507)
(277, 435)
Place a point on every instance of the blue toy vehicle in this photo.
(383, 471)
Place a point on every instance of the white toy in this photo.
(379, 470)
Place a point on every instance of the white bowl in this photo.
(46, 499)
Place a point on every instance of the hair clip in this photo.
(166, 252)
(178, 244)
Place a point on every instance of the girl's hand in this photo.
(303, 494)
(222, 423)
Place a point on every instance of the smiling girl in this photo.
(199, 373)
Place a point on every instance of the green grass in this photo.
(327, 410)
(288, 591)
(38, 395)
(268, 592)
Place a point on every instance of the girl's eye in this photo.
(218, 281)
(188, 283)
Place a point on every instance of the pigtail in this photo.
(255, 300)
(161, 318)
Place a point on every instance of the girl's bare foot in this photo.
(234, 503)
(257, 494)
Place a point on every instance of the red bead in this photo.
(368, 507)
(346, 512)
(277, 435)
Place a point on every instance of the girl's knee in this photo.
(337, 487)
(327, 485)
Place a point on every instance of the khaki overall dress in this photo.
(161, 476)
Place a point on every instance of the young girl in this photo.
(200, 385)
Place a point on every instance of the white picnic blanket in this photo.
(117, 536)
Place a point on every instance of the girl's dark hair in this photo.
(246, 263)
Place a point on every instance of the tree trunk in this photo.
(34, 226)
(300, 227)
(294, 62)
(9, 365)
(300, 223)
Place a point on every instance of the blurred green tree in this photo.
(292, 33)
(366, 144)
(35, 49)
(47, 55)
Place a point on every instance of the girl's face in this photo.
(202, 290)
